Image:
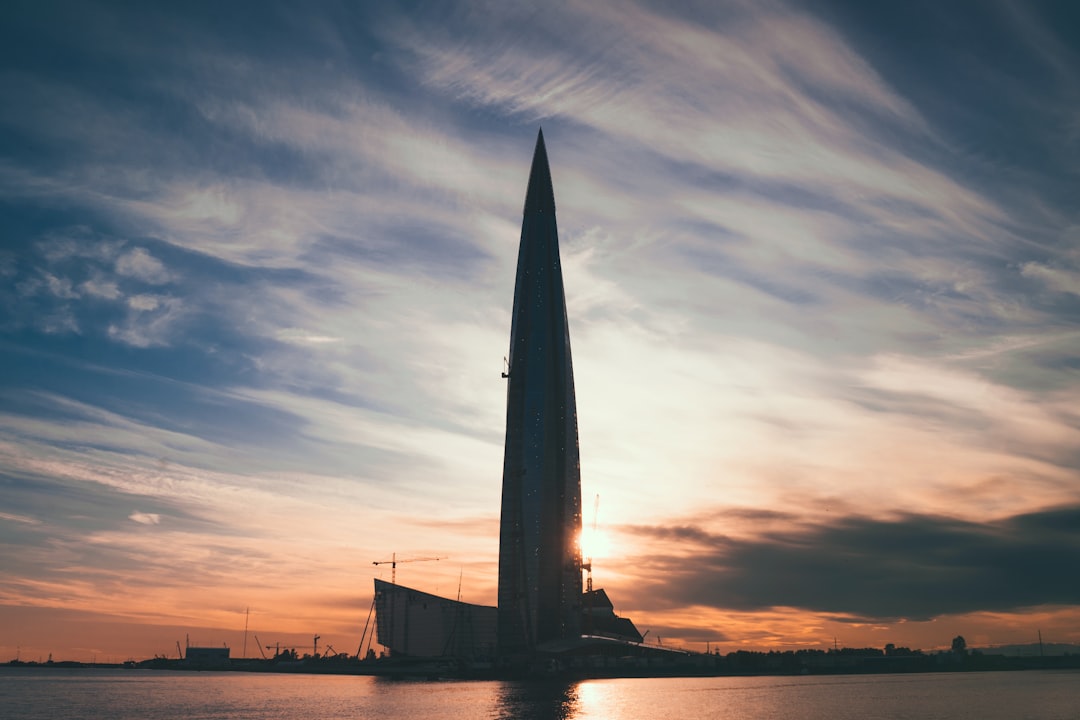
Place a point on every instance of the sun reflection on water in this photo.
(537, 700)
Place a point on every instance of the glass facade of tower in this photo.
(539, 558)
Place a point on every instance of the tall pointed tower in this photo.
(539, 556)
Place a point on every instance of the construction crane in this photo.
(587, 565)
(393, 563)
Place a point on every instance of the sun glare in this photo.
(594, 543)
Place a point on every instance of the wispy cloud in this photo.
(19, 519)
(145, 518)
(822, 289)
(141, 265)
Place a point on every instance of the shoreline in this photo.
(733, 665)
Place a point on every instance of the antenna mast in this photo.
(247, 613)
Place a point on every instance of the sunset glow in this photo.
(822, 271)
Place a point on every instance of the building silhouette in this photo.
(539, 555)
(541, 612)
(413, 623)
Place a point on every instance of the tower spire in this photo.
(540, 196)
(539, 556)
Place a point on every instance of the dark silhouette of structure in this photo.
(601, 620)
(540, 598)
(415, 623)
(542, 612)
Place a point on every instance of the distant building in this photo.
(598, 619)
(206, 657)
(417, 624)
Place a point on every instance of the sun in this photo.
(594, 543)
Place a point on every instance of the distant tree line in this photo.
(889, 659)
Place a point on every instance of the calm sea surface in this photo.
(29, 693)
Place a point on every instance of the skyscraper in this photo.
(541, 609)
(539, 557)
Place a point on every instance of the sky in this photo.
(822, 264)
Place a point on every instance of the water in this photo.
(32, 694)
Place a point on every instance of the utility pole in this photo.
(247, 612)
